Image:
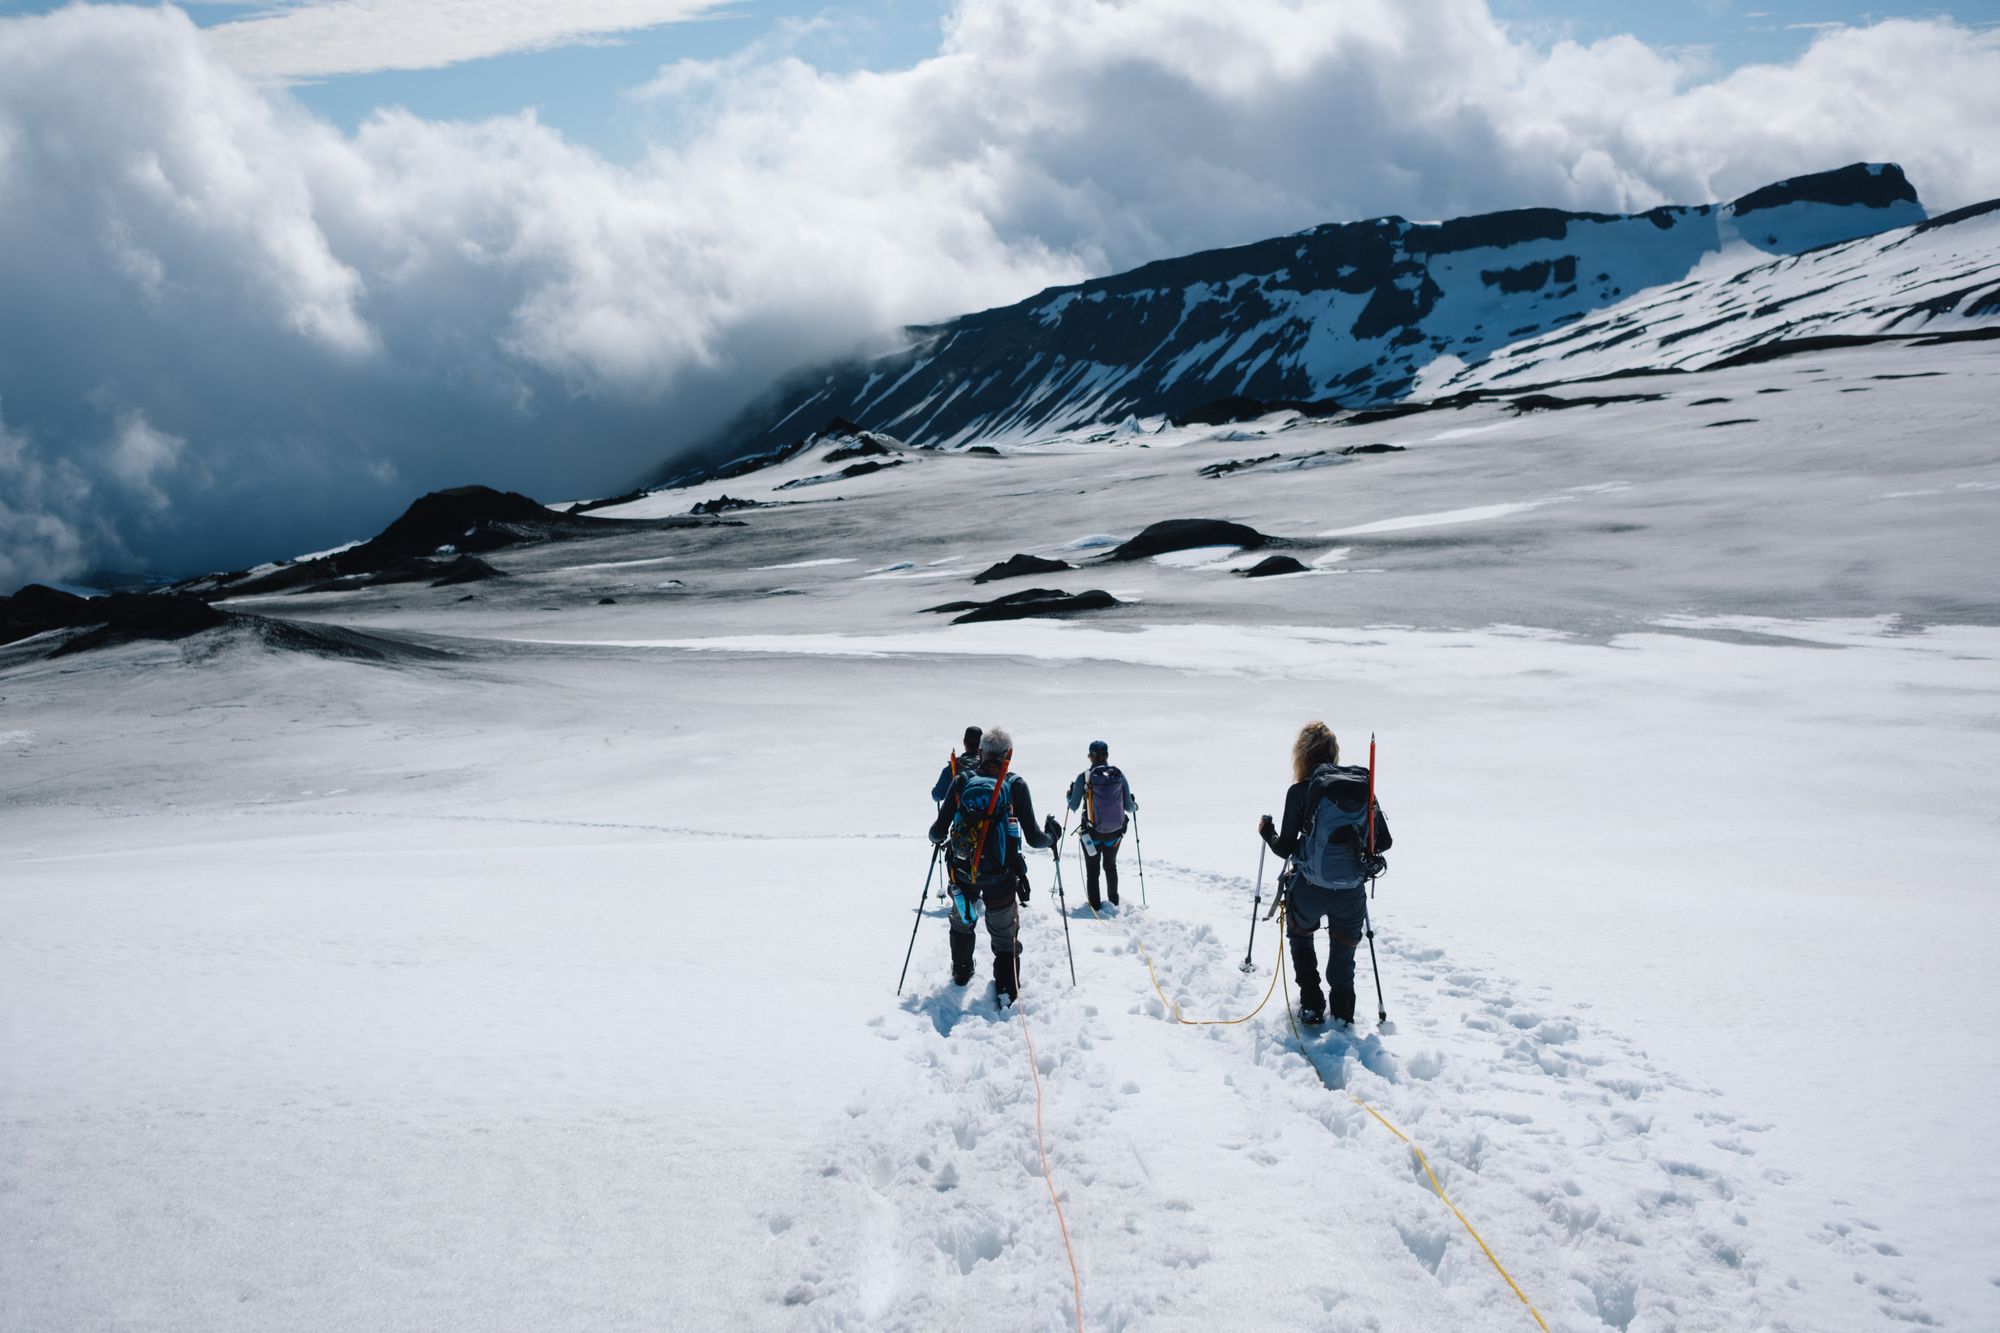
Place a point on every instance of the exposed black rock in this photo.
(334, 641)
(607, 601)
(1235, 407)
(1373, 449)
(1707, 402)
(1016, 566)
(1184, 534)
(851, 470)
(36, 609)
(1026, 603)
(1546, 402)
(1857, 186)
(723, 504)
(986, 450)
(1223, 469)
(123, 617)
(1733, 421)
(865, 444)
(1276, 564)
(585, 506)
(469, 518)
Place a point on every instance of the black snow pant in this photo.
(1101, 850)
(1346, 914)
(1003, 928)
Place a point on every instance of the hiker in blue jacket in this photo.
(1325, 840)
(964, 762)
(1105, 797)
(986, 817)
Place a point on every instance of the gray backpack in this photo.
(1333, 847)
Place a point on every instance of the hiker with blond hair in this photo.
(1326, 841)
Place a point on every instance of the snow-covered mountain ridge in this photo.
(1355, 313)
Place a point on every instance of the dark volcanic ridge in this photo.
(438, 540)
(170, 617)
(1027, 603)
(1343, 313)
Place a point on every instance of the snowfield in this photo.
(550, 983)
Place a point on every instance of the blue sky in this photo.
(583, 89)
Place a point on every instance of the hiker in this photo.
(1325, 838)
(986, 816)
(959, 763)
(1106, 799)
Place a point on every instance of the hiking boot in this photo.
(1114, 897)
(1312, 1018)
(961, 958)
(1006, 973)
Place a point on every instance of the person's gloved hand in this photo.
(1052, 830)
(1021, 890)
(937, 839)
(1267, 828)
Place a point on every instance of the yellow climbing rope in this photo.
(1422, 1160)
(1175, 1009)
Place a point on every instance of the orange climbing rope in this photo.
(1076, 1282)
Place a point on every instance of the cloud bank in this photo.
(229, 331)
(318, 38)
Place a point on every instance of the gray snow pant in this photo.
(1346, 914)
(1003, 927)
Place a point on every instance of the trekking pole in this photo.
(1255, 903)
(1367, 917)
(922, 898)
(1139, 844)
(1368, 923)
(1062, 905)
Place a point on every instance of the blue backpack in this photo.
(1333, 847)
(985, 816)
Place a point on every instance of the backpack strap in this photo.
(986, 824)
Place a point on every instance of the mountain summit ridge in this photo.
(1352, 312)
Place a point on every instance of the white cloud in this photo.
(328, 323)
(319, 38)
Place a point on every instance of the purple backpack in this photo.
(1104, 809)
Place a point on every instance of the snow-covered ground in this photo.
(550, 985)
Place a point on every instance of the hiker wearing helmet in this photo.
(1105, 798)
(1325, 840)
(986, 817)
(963, 762)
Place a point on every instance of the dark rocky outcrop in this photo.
(1276, 564)
(1858, 186)
(1029, 602)
(437, 540)
(1230, 465)
(123, 617)
(36, 609)
(723, 504)
(1185, 534)
(1548, 402)
(1235, 407)
(1018, 566)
